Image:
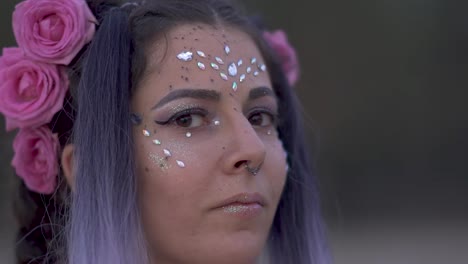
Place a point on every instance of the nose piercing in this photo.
(253, 171)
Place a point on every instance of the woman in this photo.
(180, 138)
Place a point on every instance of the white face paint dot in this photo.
(248, 69)
(214, 66)
(201, 54)
(234, 86)
(255, 73)
(269, 132)
(201, 65)
(185, 56)
(219, 60)
(239, 63)
(227, 49)
(157, 142)
(253, 60)
(167, 153)
(188, 134)
(180, 164)
(262, 67)
(146, 133)
(217, 123)
(223, 76)
(242, 78)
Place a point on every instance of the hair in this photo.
(100, 222)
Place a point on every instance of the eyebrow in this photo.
(210, 95)
(259, 92)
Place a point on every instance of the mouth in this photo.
(243, 205)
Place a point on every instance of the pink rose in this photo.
(36, 158)
(30, 92)
(286, 53)
(53, 31)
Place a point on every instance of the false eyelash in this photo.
(264, 110)
(179, 114)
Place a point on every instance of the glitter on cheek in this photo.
(161, 162)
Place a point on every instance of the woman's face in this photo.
(201, 131)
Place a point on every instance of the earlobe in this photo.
(67, 164)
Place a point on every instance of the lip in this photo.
(243, 199)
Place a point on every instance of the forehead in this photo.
(208, 57)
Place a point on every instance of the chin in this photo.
(243, 247)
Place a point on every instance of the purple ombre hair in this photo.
(104, 221)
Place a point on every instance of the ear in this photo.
(67, 164)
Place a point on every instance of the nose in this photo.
(244, 150)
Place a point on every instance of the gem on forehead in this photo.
(248, 69)
(223, 76)
(146, 133)
(232, 69)
(239, 63)
(201, 65)
(227, 49)
(167, 153)
(255, 73)
(214, 66)
(219, 60)
(253, 60)
(262, 67)
(234, 86)
(157, 142)
(201, 54)
(242, 78)
(180, 164)
(185, 56)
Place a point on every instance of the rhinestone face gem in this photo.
(234, 86)
(253, 60)
(188, 134)
(219, 60)
(227, 49)
(214, 66)
(201, 65)
(201, 54)
(242, 78)
(180, 164)
(248, 69)
(185, 56)
(262, 67)
(232, 69)
(157, 142)
(223, 76)
(167, 153)
(255, 73)
(146, 133)
(240, 62)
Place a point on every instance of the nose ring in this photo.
(253, 171)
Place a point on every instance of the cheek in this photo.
(277, 167)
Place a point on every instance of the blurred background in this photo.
(384, 86)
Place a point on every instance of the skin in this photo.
(178, 205)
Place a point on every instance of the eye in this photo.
(262, 119)
(189, 120)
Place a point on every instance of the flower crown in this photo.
(33, 80)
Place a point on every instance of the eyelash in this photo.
(203, 114)
(186, 112)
